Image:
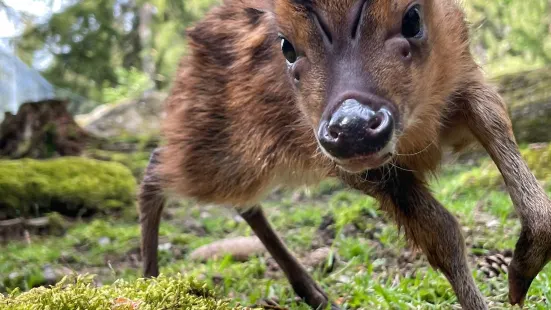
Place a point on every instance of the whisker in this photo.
(398, 167)
(423, 150)
(365, 179)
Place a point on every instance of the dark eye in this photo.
(288, 51)
(411, 25)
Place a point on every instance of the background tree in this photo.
(96, 45)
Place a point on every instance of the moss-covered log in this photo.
(487, 176)
(528, 95)
(176, 293)
(68, 185)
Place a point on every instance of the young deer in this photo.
(288, 92)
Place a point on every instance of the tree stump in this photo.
(40, 130)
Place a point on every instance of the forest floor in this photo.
(369, 265)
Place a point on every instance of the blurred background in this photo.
(82, 84)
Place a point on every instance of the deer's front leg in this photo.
(428, 225)
(487, 118)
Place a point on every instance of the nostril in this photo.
(406, 52)
(380, 122)
(375, 122)
(334, 132)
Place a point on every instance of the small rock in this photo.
(344, 279)
(49, 274)
(165, 246)
(238, 219)
(320, 258)
(240, 248)
(104, 241)
(492, 224)
(13, 275)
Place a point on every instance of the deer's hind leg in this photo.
(151, 200)
(302, 283)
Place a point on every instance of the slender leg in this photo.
(304, 286)
(487, 118)
(151, 201)
(428, 225)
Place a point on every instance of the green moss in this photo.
(527, 87)
(136, 161)
(69, 185)
(124, 142)
(487, 175)
(80, 293)
(528, 96)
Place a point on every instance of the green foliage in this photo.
(88, 41)
(131, 83)
(487, 176)
(79, 292)
(169, 25)
(514, 35)
(96, 45)
(66, 185)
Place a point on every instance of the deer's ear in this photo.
(265, 6)
(259, 9)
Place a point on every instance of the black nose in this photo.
(355, 130)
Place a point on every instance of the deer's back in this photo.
(232, 128)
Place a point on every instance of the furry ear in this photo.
(265, 6)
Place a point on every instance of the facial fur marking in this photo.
(357, 15)
(322, 27)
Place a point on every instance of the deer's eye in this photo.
(288, 51)
(412, 27)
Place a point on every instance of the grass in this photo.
(374, 267)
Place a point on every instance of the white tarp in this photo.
(20, 84)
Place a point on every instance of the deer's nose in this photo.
(355, 130)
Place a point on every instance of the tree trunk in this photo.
(148, 63)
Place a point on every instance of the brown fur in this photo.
(237, 126)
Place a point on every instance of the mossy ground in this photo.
(79, 292)
(375, 268)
